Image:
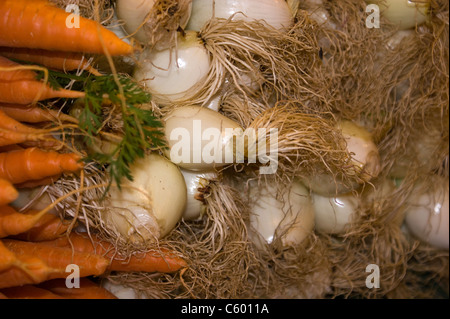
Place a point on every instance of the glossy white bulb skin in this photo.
(133, 13)
(405, 14)
(427, 214)
(365, 160)
(195, 182)
(190, 146)
(171, 74)
(275, 13)
(334, 214)
(151, 205)
(33, 198)
(290, 219)
(120, 291)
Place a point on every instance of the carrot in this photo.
(58, 258)
(87, 290)
(32, 270)
(8, 137)
(34, 114)
(29, 292)
(7, 258)
(29, 268)
(2, 296)
(9, 123)
(13, 223)
(155, 261)
(34, 164)
(19, 85)
(8, 193)
(38, 24)
(48, 227)
(56, 60)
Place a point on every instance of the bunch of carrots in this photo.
(36, 246)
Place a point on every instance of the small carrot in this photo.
(56, 60)
(38, 24)
(8, 193)
(59, 257)
(9, 123)
(13, 223)
(87, 289)
(35, 164)
(162, 260)
(7, 258)
(19, 85)
(29, 292)
(8, 137)
(32, 270)
(48, 227)
(35, 114)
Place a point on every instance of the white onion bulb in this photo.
(134, 13)
(427, 214)
(151, 205)
(406, 14)
(120, 291)
(190, 146)
(334, 214)
(170, 74)
(290, 218)
(195, 182)
(365, 159)
(275, 13)
(33, 198)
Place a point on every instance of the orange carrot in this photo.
(2, 296)
(38, 24)
(8, 137)
(29, 292)
(48, 227)
(8, 193)
(13, 223)
(59, 258)
(56, 60)
(161, 260)
(7, 258)
(87, 289)
(34, 164)
(20, 85)
(26, 270)
(11, 124)
(34, 114)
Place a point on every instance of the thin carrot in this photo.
(9, 123)
(48, 227)
(161, 260)
(87, 289)
(38, 24)
(34, 114)
(32, 270)
(18, 84)
(8, 137)
(34, 164)
(13, 223)
(29, 292)
(7, 258)
(8, 193)
(56, 60)
(60, 258)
